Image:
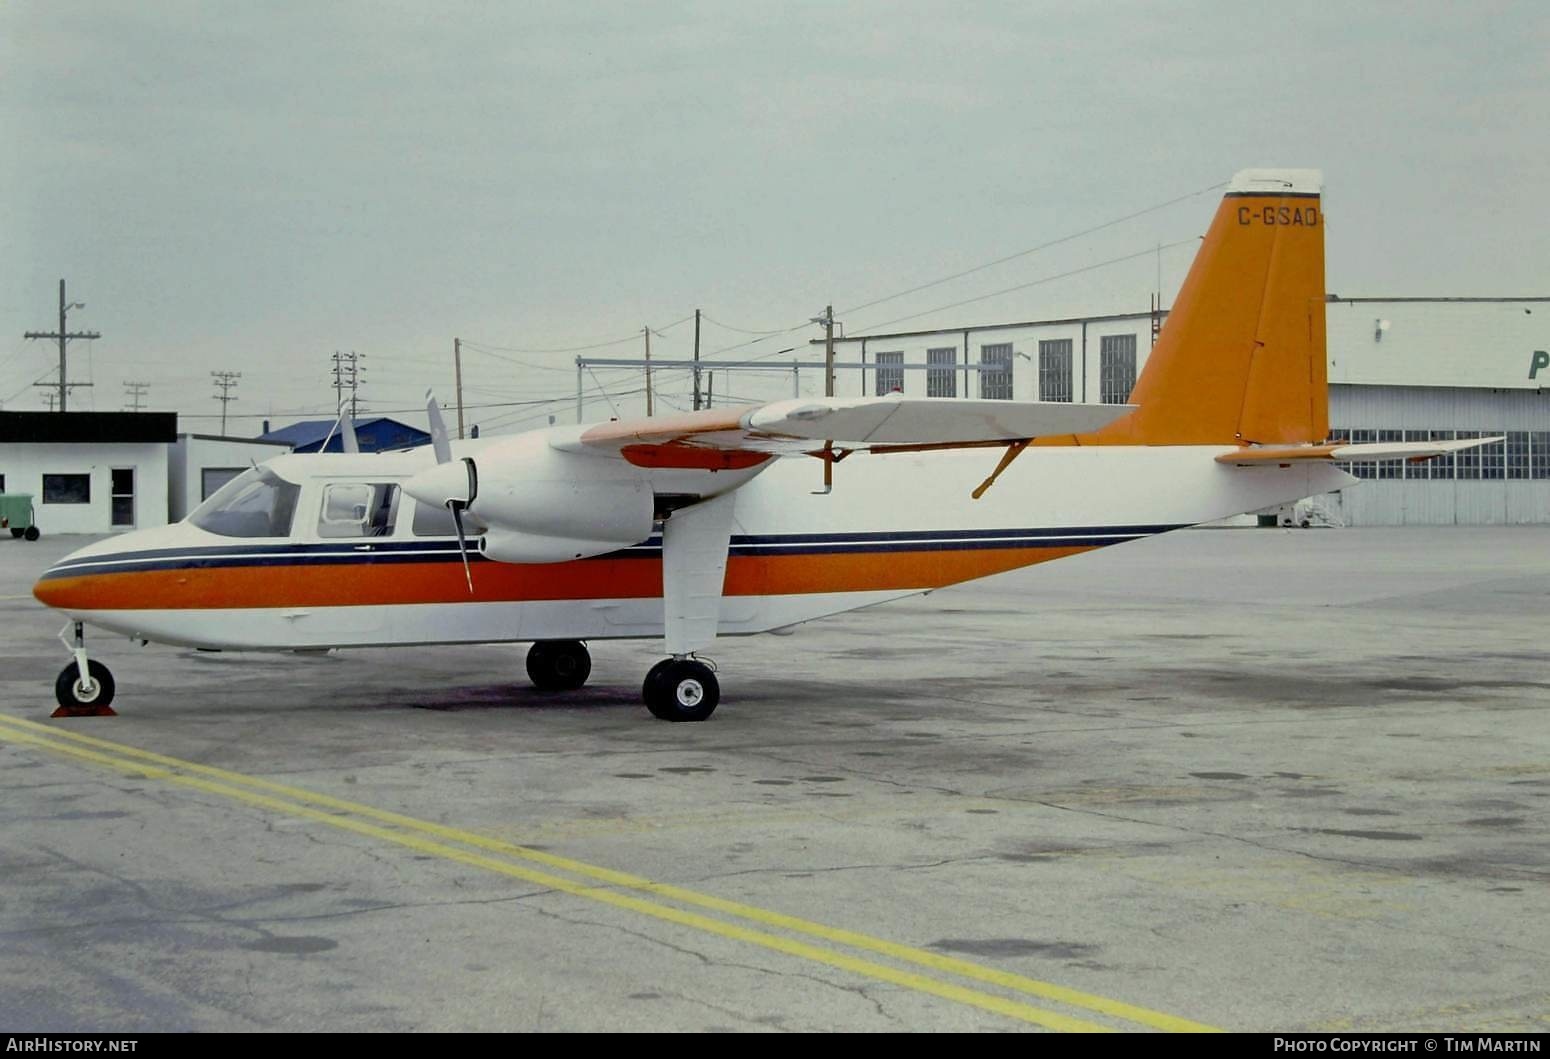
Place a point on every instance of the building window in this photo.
(1517, 454)
(212, 478)
(67, 488)
(1467, 463)
(1116, 368)
(1415, 470)
(358, 509)
(1055, 370)
(996, 372)
(941, 380)
(1363, 468)
(890, 373)
(1493, 459)
(1539, 444)
(1391, 468)
(1442, 466)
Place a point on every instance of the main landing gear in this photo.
(681, 689)
(78, 695)
(558, 665)
(676, 689)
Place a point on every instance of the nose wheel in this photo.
(84, 688)
(681, 689)
(558, 665)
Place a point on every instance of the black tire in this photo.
(682, 690)
(31, 533)
(647, 693)
(17, 531)
(67, 689)
(558, 665)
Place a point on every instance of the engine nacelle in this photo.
(543, 505)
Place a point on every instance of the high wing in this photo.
(743, 436)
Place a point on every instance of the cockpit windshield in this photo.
(256, 503)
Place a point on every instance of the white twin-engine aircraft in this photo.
(693, 526)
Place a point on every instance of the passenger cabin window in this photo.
(257, 503)
(358, 509)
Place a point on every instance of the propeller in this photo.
(452, 484)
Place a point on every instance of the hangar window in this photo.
(1363, 468)
(256, 503)
(67, 488)
(890, 373)
(1539, 443)
(358, 509)
(1517, 454)
(996, 378)
(1442, 466)
(1422, 469)
(1493, 459)
(1391, 468)
(1055, 370)
(1116, 368)
(941, 381)
(1467, 463)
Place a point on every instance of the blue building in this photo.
(373, 435)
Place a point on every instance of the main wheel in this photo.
(17, 531)
(558, 665)
(681, 689)
(69, 692)
(31, 533)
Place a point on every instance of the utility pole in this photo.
(225, 382)
(133, 393)
(52, 398)
(63, 336)
(347, 374)
(696, 360)
(710, 392)
(827, 319)
(647, 331)
(457, 371)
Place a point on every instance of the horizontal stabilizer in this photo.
(1389, 450)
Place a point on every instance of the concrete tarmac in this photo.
(1247, 779)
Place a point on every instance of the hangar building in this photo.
(1400, 369)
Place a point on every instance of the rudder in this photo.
(1241, 358)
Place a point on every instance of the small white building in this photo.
(88, 472)
(107, 472)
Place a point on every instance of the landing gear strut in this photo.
(681, 689)
(558, 665)
(84, 688)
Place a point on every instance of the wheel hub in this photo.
(689, 692)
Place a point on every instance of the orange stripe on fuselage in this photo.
(354, 584)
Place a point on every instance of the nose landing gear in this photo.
(85, 687)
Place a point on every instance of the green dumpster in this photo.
(16, 515)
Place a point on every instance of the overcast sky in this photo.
(251, 186)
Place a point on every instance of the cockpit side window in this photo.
(358, 509)
(256, 503)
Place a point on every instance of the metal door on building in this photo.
(123, 497)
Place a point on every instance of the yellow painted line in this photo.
(834, 935)
(26, 596)
(986, 1001)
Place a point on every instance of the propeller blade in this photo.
(347, 433)
(462, 542)
(440, 440)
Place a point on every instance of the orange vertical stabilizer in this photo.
(1241, 357)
